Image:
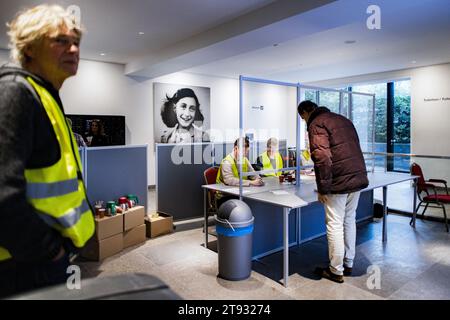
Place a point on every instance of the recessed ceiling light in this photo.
(414, 61)
(141, 33)
(103, 54)
(349, 41)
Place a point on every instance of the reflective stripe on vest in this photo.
(68, 219)
(55, 192)
(39, 190)
(234, 168)
(267, 164)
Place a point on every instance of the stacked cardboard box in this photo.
(159, 225)
(112, 234)
(108, 238)
(133, 226)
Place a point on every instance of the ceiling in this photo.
(234, 37)
(113, 26)
(412, 34)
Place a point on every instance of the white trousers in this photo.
(340, 210)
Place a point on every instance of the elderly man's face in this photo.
(57, 57)
(273, 149)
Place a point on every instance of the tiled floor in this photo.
(413, 264)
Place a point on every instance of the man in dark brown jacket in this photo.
(340, 175)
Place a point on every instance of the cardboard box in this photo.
(108, 226)
(134, 236)
(133, 217)
(100, 249)
(158, 226)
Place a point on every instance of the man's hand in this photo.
(322, 198)
(257, 182)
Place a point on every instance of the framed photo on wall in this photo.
(181, 113)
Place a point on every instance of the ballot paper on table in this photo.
(280, 192)
(236, 190)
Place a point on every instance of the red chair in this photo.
(210, 175)
(424, 186)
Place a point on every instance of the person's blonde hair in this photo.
(272, 142)
(31, 25)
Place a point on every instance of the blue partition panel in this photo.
(313, 216)
(312, 221)
(268, 227)
(180, 178)
(82, 152)
(365, 206)
(113, 172)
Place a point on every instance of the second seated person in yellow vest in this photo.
(229, 171)
(270, 159)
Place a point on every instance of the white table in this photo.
(290, 197)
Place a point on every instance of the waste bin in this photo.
(234, 227)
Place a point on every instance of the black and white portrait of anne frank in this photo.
(183, 118)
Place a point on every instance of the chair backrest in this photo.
(210, 175)
(417, 171)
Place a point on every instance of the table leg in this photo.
(299, 225)
(205, 227)
(286, 245)
(384, 213)
(414, 204)
(296, 227)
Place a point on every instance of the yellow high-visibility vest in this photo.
(267, 165)
(57, 192)
(306, 155)
(230, 159)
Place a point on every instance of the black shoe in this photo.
(347, 271)
(326, 273)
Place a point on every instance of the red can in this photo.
(123, 203)
(123, 200)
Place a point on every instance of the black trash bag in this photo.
(378, 210)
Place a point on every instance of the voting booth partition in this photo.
(116, 171)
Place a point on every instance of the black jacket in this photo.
(27, 140)
(338, 161)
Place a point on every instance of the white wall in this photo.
(430, 129)
(275, 118)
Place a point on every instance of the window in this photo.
(329, 99)
(392, 122)
(402, 124)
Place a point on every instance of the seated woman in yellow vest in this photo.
(270, 159)
(229, 171)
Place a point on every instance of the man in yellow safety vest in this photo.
(229, 171)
